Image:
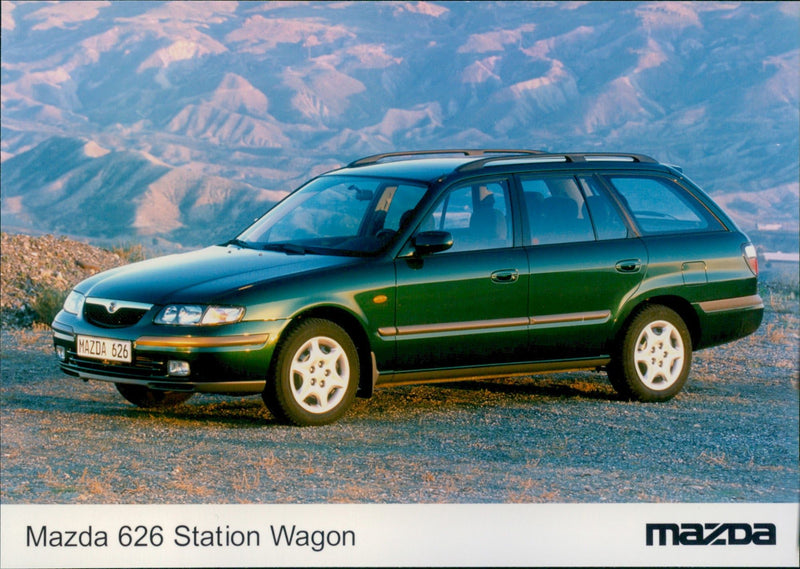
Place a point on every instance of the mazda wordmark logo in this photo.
(711, 534)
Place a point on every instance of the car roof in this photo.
(430, 166)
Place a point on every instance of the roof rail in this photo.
(558, 157)
(375, 158)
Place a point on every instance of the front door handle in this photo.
(505, 276)
(628, 266)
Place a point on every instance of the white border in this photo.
(429, 535)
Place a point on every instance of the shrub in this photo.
(130, 252)
(46, 303)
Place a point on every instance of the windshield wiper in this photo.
(239, 243)
(288, 248)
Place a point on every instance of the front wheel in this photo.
(315, 375)
(652, 363)
(151, 398)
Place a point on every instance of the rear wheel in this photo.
(315, 375)
(652, 363)
(142, 396)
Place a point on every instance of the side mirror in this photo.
(429, 242)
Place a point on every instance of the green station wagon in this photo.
(423, 267)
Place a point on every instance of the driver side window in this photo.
(476, 214)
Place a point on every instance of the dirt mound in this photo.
(33, 267)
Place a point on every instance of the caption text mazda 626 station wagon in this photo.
(429, 266)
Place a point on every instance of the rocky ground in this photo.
(32, 266)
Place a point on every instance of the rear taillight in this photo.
(749, 253)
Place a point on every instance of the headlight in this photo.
(222, 314)
(197, 315)
(74, 303)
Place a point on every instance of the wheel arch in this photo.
(355, 329)
(680, 305)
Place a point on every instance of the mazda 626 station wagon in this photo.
(423, 267)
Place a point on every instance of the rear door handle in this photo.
(629, 266)
(505, 276)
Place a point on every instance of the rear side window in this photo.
(661, 206)
(556, 210)
(607, 222)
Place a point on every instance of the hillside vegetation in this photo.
(38, 272)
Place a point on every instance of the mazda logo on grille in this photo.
(114, 306)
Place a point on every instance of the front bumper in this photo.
(221, 359)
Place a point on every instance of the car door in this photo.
(466, 306)
(584, 265)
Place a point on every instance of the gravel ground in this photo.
(731, 436)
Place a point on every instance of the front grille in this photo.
(112, 314)
(142, 367)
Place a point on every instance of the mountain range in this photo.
(177, 123)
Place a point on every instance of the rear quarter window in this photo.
(660, 205)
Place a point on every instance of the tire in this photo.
(151, 398)
(653, 360)
(315, 376)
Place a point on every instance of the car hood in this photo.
(207, 275)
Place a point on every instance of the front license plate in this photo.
(104, 349)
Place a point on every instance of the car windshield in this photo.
(336, 215)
